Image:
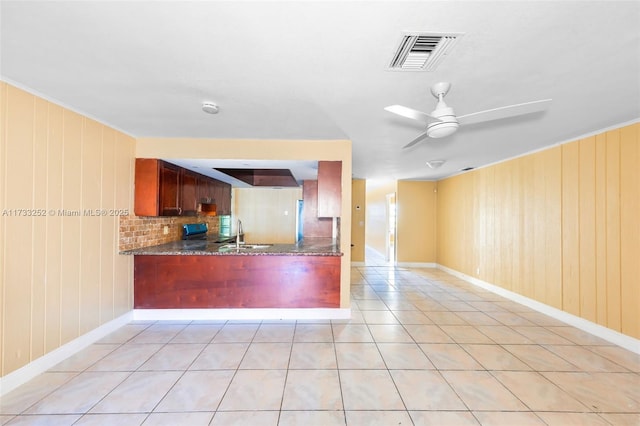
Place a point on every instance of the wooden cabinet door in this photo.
(147, 187)
(329, 188)
(170, 190)
(189, 194)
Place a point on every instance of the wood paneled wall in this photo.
(60, 275)
(358, 217)
(560, 226)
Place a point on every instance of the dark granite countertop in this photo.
(307, 247)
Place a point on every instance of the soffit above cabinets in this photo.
(263, 177)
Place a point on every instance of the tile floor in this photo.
(421, 348)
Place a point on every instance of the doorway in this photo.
(390, 232)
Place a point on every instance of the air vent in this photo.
(422, 51)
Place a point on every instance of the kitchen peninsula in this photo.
(210, 274)
(206, 274)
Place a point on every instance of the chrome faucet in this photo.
(238, 232)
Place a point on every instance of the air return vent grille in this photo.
(422, 51)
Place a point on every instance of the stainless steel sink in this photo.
(245, 246)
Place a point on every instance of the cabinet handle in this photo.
(179, 211)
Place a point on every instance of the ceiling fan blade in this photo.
(504, 112)
(412, 114)
(416, 140)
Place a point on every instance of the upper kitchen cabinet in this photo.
(329, 188)
(164, 189)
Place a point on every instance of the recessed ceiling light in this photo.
(210, 108)
(434, 164)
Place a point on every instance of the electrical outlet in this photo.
(165, 230)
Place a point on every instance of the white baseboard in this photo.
(49, 360)
(241, 314)
(416, 264)
(597, 330)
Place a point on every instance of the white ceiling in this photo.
(318, 70)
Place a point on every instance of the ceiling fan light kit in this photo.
(443, 122)
(210, 108)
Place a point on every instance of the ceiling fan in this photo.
(443, 122)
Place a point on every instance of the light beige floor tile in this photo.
(369, 390)
(23, 397)
(538, 393)
(128, 357)
(178, 419)
(158, 333)
(313, 333)
(377, 418)
(443, 418)
(426, 390)
(5, 419)
(312, 390)
(358, 356)
(504, 335)
(541, 319)
(220, 356)
(542, 335)
(371, 305)
(245, 418)
(313, 355)
(254, 390)
(388, 333)
(197, 391)
(411, 317)
(487, 307)
(449, 357)
(275, 333)
(79, 394)
(503, 418)
(445, 318)
(632, 419)
(620, 356)
(585, 359)
(404, 356)
(578, 336)
(477, 318)
(129, 419)
(49, 420)
(494, 357)
(140, 392)
(197, 333)
(124, 333)
(575, 419)
(481, 391)
(173, 356)
(236, 333)
(351, 333)
(85, 358)
(379, 317)
(601, 392)
(465, 334)
(312, 418)
(539, 358)
(266, 356)
(428, 334)
(510, 318)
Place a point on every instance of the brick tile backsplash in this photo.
(138, 231)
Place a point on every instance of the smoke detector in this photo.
(434, 164)
(210, 108)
